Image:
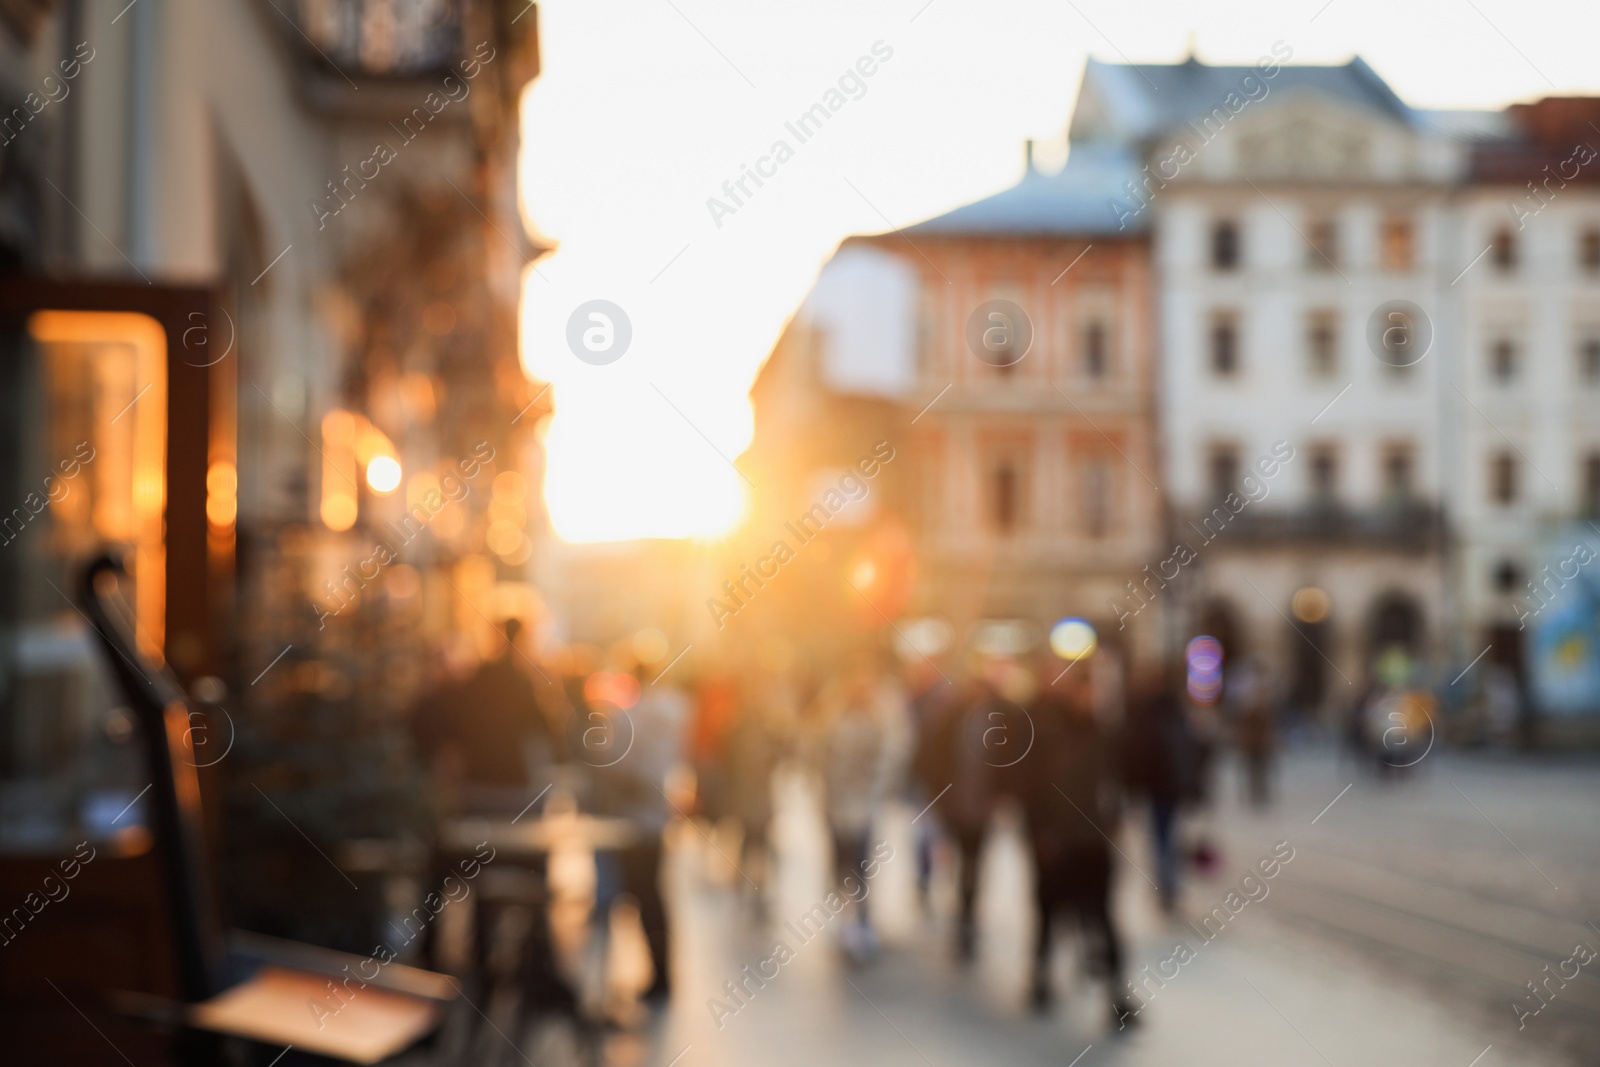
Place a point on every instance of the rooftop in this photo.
(1072, 201)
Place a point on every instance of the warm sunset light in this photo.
(695, 532)
(383, 474)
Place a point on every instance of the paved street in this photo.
(1401, 932)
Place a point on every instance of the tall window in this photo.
(1003, 497)
(1094, 350)
(1399, 471)
(1591, 485)
(1503, 478)
(1096, 499)
(1225, 344)
(1589, 361)
(1589, 249)
(1503, 249)
(1503, 361)
(1322, 252)
(1322, 343)
(1399, 244)
(1324, 473)
(1222, 469)
(1224, 245)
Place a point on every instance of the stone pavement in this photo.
(1400, 932)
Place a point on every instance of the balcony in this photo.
(1409, 526)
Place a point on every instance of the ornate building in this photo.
(1305, 469)
(1006, 352)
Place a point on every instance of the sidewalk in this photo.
(1262, 994)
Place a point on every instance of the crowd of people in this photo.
(1069, 745)
(1072, 747)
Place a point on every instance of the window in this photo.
(1096, 499)
(1503, 249)
(1324, 473)
(1507, 576)
(1322, 343)
(1400, 343)
(1503, 478)
(1322, 252)
(1502, 361)
(1225, 245)
(1591, 485)
(1399, 471)
(1399, 244)
(1224, 344)
(1589, 249)
(1223, 469)
(1094, 350)
(1589, 360)
(1004, 498)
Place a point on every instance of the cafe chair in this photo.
(244, 986)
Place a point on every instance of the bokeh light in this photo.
(383, 474)
(1072, 639)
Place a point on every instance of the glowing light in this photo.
(1310, 604)
(510, 487)
(383, 474)
(650, 645)
(339, 508)
(338, 511)
(222, 494)
(612, 687)
(1004, 637)
(640, 476)
(403, 581)
(1072, 639)
(502, 538)
(923, 637)
(1203, 655)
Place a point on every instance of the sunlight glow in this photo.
(636, 123)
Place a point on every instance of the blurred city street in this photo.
(871, 532)
(1401, 932)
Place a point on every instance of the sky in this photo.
(646, 108)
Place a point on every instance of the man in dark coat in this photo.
(959, 767)
(1069, 791)
(1161, 760)
(481, 734)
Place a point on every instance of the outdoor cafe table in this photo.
(536, 838)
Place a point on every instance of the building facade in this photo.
(1401, 299)
(1012, 345)
(1527, 492)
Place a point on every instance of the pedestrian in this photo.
(1254, 727)
(632, 785)
(933, 697)
(970, 741)
(484, 735)
(750, 758)
(1071, 797)
(1160, 759)
(864, 745)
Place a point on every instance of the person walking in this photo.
(970, 741)
(864, 743)
(1070, 795)
(1160, 758)
(932, 700)
(1254, 728)
(632, 785)
(750, 759)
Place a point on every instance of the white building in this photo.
(1317, 247)
(1523, 398)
